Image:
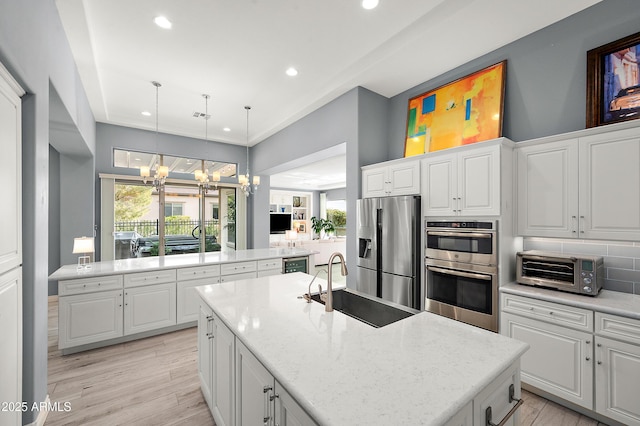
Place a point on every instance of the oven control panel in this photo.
(461, 224)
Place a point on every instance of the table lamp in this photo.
(84, 246)
(291, 236)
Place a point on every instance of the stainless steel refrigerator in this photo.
(388, 249)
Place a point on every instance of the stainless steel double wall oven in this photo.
(461, 266)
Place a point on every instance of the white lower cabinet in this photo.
(618, 368)
(205, 351)
(149, 307)
(592, 363)
(499, 402)
(187, 300)
(559, 359)
(223, 372)
(260, 399)
(88, 318)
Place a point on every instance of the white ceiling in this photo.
(237, 51)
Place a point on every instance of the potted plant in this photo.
(322, 227)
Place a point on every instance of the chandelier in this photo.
(244, 180)
(202, 175)
(161, 172)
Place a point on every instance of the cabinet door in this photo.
(88, 318)
(205, 350)
(374, 182)
(547, 195)
(497, 396)
(404, 178)
(559, 360)
(439, 186)
(287, 410)
(610, 186)
(187, 300)
(223, 371)
(254, 386)
(478, 191)
(10, 172)
(149, 307)
(618, 380)
(11, 348)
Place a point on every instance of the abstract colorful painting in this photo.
(465, 111)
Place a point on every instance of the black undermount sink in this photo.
(368, 309)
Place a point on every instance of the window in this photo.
(173, 209)
(337, 213)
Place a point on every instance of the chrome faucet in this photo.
(328, 304)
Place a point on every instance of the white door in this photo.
(90, 317)
(610, 186)
(254, 386)
(188, 301)
(547, 189)
(404, 178)
(287, 410)
(205, 350)
(618, 380)
(11, 347)
(478, 190)
(223, 367)
(374, 182)
(559, 359)
(439, 186)
(149, 307)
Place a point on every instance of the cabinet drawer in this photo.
(198, 272)
(89, 285)
(268, 264)
(146, 278)
(555, 313)
(617, 327)
(235, 277)
(237, 268)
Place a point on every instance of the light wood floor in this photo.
(154, 381)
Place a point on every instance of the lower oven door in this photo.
(464, 295)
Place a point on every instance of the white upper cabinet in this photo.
(392, 178)
(609, 185)
(466, 182)
(587, 187)
(547, 189)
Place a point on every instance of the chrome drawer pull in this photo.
(509, 414)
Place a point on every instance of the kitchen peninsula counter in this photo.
(421, 370)
(121, 300)
(156, 263)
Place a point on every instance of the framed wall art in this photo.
(462, 112)
(613, 82)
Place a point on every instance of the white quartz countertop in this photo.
(421, 370)
(153, 263)
(607, 301)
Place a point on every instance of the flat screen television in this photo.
(280, 222)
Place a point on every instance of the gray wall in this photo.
(34, 49)
(546, 74)
(337, 194)
(54, 216)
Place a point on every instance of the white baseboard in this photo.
(42, 414)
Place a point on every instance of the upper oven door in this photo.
(473, 246)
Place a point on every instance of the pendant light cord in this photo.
(247, 108)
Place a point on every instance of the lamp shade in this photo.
(145, 171)
(291, 235)
(83, 245)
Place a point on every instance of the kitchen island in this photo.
(265, 354)
(121, 300)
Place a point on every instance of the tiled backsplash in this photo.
(621, 259)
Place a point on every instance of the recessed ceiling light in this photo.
(369, 4)
(162, 22)
(226, 129)
(292, 72)
(146, 113)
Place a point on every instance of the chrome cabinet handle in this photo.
(488, 413)
(582, 227)
(599, 362)
(587, 359)
(267, 406)
(573, 222)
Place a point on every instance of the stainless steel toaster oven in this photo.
(581, 274)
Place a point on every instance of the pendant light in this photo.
(244, 180)
(202, 175)
(161, 172)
